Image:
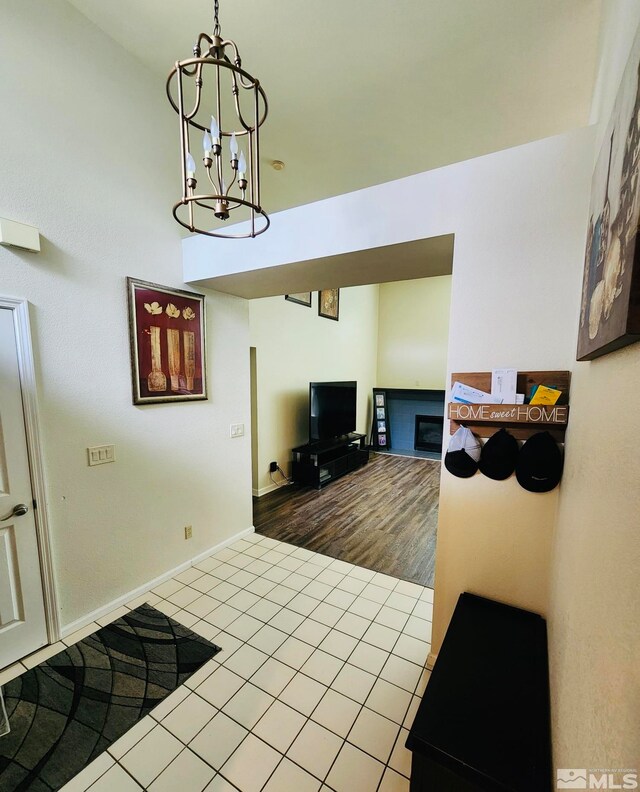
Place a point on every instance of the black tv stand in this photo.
(318, 463)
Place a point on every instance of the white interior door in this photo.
(22, 615)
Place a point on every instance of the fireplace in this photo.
(428, 434)
(400, 406)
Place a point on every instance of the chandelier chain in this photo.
(216, 21)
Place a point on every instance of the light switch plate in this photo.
(237, 430)
(100, 455)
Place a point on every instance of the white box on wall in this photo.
(13, 234)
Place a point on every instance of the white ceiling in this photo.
(365, 91)
(420, 258)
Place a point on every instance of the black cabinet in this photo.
(316, 464)
(483, 723)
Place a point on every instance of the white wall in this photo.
(413, 333)
(519, 218)
(520, 229)
(594, 619)
(86, 137)
(295, 346)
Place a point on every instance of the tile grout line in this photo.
(301, 591)
(308, 616)
(362, 706)
(309, 717)
(315, 647)
(372, 621)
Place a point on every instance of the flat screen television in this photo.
(332, 409)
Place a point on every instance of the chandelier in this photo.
(221, 109)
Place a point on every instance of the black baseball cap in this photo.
(539, 465)
(499, 455)
(463, 454)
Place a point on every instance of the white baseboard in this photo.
(67, 629)
(258, 493)
(431, 660)
(220, 546)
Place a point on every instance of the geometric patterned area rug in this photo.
(69, 709)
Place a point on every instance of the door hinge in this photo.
(35, 505)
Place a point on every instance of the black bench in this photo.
(483, 723)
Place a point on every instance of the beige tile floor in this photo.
(320, 675)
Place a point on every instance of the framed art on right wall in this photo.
(610, 306)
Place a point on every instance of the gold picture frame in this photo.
(167, 342)
(329, 304)
(301, 298)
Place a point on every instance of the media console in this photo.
(318, 463)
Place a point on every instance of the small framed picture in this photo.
(302, 298)
(379, 399)
(329, 304)
(380, 413)
(382, 427)
(167, 339)
(382, 440)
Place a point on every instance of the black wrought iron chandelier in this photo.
(217, 100)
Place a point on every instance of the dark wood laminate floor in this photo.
(383, 517)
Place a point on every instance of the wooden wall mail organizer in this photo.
(521, 420)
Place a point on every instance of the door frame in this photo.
(26, 369)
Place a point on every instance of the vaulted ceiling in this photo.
(365, 91)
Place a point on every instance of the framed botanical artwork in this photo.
(610, 307)
(379, 399)
(382, 427)
(302, 298)
(329, 303)
(167, 340)
(380, 414)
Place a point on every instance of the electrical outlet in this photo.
(273, 466)
(188, 531)
(236, 430)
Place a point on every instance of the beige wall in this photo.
(86, 137)
(413, 333)
(520, 221)
(594, 618)
(518, 256)
(295, 346)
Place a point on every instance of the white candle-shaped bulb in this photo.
(206, 143)
(215, 129)
(242, 165)
(233, 146)
(191, 165)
